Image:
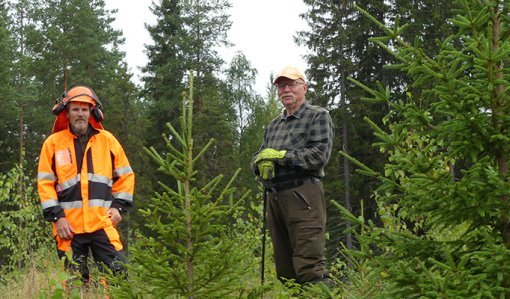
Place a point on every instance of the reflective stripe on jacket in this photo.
(83, 186)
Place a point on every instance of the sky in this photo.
(262, 30)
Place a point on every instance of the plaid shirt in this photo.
(307, 136)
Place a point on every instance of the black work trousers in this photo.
(103, 251)
(297, 224)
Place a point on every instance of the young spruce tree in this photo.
(195, 245)
(444, 196)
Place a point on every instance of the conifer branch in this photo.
(175, 154)
(212, 185)
(168, 189)
(236, 174)
(176, 135)
(211, 142)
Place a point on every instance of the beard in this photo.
(80, 128)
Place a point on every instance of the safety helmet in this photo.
(77, 93)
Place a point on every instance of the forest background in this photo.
(417, 183)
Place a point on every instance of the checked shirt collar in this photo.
(298, 114)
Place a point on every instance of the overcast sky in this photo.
(263, 30)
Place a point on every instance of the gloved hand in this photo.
(270, 154)
(266, 169)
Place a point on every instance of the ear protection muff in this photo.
(97, 113)
(62, 101)
(60, 104)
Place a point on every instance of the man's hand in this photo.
(114, 214)
(64, 229)
(266, 169)
(270, 154)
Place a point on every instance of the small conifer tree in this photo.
(444, 194)
(194, 246)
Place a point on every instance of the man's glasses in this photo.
(282, 86)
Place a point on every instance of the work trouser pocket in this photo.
(302, 199)
(305, 203)
(311, 233)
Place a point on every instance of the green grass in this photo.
(45, 277)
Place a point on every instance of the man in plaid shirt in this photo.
(296, 148)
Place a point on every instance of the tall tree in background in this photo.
(339, 42)
(62, 43)
(164, 73)
(77, 43)
(241, 96)
(25, 103)
(428, 25)
(207, 23)
(8, 145)
(242, 99)
(186, 37)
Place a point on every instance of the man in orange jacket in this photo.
(85, 182)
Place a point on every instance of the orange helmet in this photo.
(78, 93)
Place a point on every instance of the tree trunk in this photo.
(345, 148)
(499, 113)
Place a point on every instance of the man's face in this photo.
(291, 92)
(78, 116)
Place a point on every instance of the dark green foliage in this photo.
(443, 196)
(212, 122)
(164, 73)
(77, 37)
(8, 146)
(20, 102)
(185, 37)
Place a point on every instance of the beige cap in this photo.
(290, 72)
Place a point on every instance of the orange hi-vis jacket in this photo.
(83, 185)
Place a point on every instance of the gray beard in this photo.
(80, 133)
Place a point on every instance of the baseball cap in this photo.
(290, 72)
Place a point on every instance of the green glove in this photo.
(266, 169)
(270, 154)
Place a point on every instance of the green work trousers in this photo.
(297, 223)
